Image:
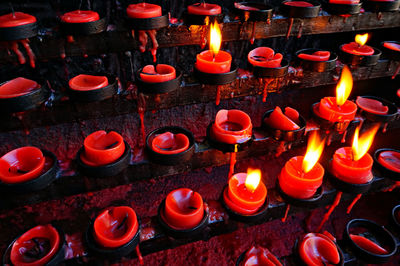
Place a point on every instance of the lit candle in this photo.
(16, 19)
(246, 193)
(231, 127)
(372, 106)
(170, 143)
(204, 9)
(302, 175)
(80, 16)
(318, 249)
(283, 121)
(390, 160)
(358, 47)
(17, 87)
(354, 164)
(338, 109)
(84, 82)
(264, 57)
(316, 56)
(214, 60)
(160, 73)
(143, 10)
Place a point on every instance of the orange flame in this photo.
(215, 38)
(362, 144)
(344, 86)
(361, 39)
(315, 147)
(253, 179)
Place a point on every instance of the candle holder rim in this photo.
(362, 60)
(343, 9)
(390, 116)
(300, 12)
(95, 95)
(332, 58)
(84, 28)
(226, 147)
(347, 187)
(271, 72)
(314, 201)
(379, 6)
(313, 2)
(20, 32)
(263, 14)
(194, 19)
(216, 78)
(243, 254)
(395, 210)
(159, 87)
(152, 23)
(387, 172)
(339, 126)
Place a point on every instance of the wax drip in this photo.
(331, 209)
(396, 72)
(280, 149)
(141, 110)
(31, 55)
(269, 21)
(384, 128)
(143, 34)
(218, 97)
(300, 30)
(392, 187)
(350, 207)
(20, 117)
(232, 163)
(203, 39)
(344, 136)
(379, 15)
(286, 213)
(139, 254)
(70, 39)
(266, 81)
(62, 53)
(309, 219)
(328, 142)
(253, 33)
(14, 47)
(290, 28)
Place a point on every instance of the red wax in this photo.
(115, 226)
(264, 57)
(329, 110)
(318, 249)
(42, 240)
(169, 143)
(372, 106)
(278, 120)
(391, 45)
(17, 87)
(299, 4)
(292, 114)
(390, 160)
(245, 7)
(207, 63)
(240, 199)
(144, 10)
(84, 82)
(368, 245)
(21, 165)
(80, 16)
(161, 73)
(316, 56)
(260, 256)
(355, 48)
(101, 148)
(16, 19)
(354, 172)
(297, 184)
(344, 2)
(204, 9)
(232, 127)
(184, 209)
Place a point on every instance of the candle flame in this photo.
(315, 147)
(361, 39)
(215, 38)
(362, 144)
(344, 86)
(252, 179)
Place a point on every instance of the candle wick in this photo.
(80, 5)
(12, 9)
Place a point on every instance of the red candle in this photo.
(358, 47)
(204, 9)
(372, 106)
(264, 57)
(80, 16)
(299, 4)
(354, 164)
(161, 73)
(392, 45)
(281, 121)
(344, 2)
(43, 240)
(16, 19)
(169, 143)
(84, 82)
(302, 175)
(232, 127)
(368, 245)
(214, 60)
(258, 255)
(21, 165)
(17, 87)
(184, 209)
(316, 56)
(115, 226)
(245, 7)
(318, 249)
(245, 193)
(101, 148)
(144, 10)
(338, 109)
(390, 160)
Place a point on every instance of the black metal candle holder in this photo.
(170, 159)
(300, 12)
(19, 32)
(148, 23)
(98, 94)
(381, 6)
(385, 171)
(40, 182)
(27, 101)
(246, 218)
(380, 233)
(360, 60)
(216, 78)
(194, 19)
(285, 135)
(263, 13)
(343, 9)
(84, 28)
(271, 72)
(182, 233)
(312, 202)
(111, 253)
(346, 186)
(110, 169)
(159, 87)
(316, 66)
(226, 147)
(57, 259)
(389, 117)
(395, 220)
(324, 124)
(389, 53)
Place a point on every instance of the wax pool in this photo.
(17, 87)
(169, 143)
(204, 9)
(344, 2)
(207, 62)
(299, 4)
(16, 19)
(368, 245)
(84, 82)
(316, 56)
(392, 46)
(329, 110)
(390, 160)
(264, 57)
(318, 249)
(160, 73)
(144, 10)
(356, 49)
(80, 16)
(372, 106)
(287, 121)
